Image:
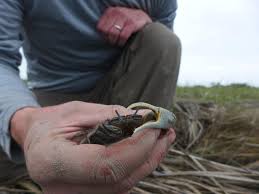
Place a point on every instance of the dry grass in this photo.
(217, 152)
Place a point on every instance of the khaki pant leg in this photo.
(147, 70)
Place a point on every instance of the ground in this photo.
(219, 94)
(217, 150)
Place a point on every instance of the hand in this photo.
(61, 166)
(119, 23)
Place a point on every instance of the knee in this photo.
(158, 38)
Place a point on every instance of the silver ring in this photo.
(117, 27)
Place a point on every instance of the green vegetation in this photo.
(219, 94)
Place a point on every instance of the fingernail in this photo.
(171, 136)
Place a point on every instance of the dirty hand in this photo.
(61, 166)
(118, 24)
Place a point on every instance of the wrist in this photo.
(146, 16)
(20, 124)
(148, 19)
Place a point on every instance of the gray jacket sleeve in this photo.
(14, 94)
(164, 11)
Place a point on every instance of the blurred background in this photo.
(220, 42)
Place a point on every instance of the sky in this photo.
(220, 40)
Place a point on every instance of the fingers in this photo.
(126, 192)
(113, 35)
(116, 26)
(101, 114)
(90, 114)
(107, 165)
(126, 33)
(106, 21)
(110, 25)
(125, 156)
(81, 114)
(115, 30)
(158, 153)
(99, 164)
(131, 21)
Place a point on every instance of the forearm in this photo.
(14, 96)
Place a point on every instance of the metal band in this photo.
(118, 27)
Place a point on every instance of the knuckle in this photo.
(112, 34)
(111, 8)
(161, 156)
(108, 10)
(112, 11)
(127, 185)
(151, 165)
(102, 29)
(130, 184)
(107, 174)
(108, 170)
(105, 31)
(130, 23)
(115, 10)
(75, 104)
(124, 37)
(118, 108)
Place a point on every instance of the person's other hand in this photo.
(117, 24)
(62, 166)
